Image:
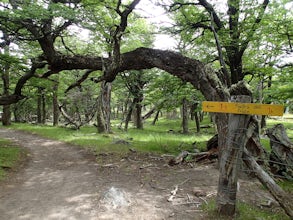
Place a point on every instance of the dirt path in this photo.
(65, 182)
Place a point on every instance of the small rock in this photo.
(198, 192)
(116, 198)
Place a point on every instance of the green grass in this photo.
(164, 137)
(9, 156)
(156, 138)
(286, 185)
(244, 211)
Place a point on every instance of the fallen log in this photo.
(179, 159)
(211, 154)
(276, 191)
(282, 197)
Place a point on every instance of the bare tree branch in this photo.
(212, 11)
(221, 57)
(177, 5)
(81, 80)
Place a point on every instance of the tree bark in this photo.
(6, 116)
(156, 118)
(138, 110)
(231, 159)
(197, 122)
(69, 119)
(55, 105)
(104, 108)
(156, 109)
(39, 105)
(200, 75)
(194, 115)
(100, 120)
(44, 111)
(185, 129)
(149, 113)
(128, 116)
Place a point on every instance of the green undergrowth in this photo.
(286, 185)
(163, 138)
(245, 212)
(9, 156)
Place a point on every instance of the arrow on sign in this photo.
(210, 106)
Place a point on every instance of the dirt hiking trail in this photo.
(60, 181)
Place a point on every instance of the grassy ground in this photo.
(9, 157)
(245, 212)
(164, 137)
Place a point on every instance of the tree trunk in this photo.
(185, 116)
(104, 108)
(39, 105)
(197, 122)
(149, 113)
(44, 112)
(156, 109)
(138, 107)
(6, 116)
(15, 113)
(128, 116)
(107, 89)
(231, 159)
(156, 117)
(194, 115)
(55, 105)
(100, 120)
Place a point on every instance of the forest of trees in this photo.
(53, 73)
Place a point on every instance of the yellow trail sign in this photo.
(243, 108)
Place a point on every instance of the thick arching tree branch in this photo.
(200, 75)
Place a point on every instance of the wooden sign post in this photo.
(231, 153)
(243, 108)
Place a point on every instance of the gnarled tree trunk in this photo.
(55, 105)
(104, 108)
(6, 116)
(184, 113)
(231, 159)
